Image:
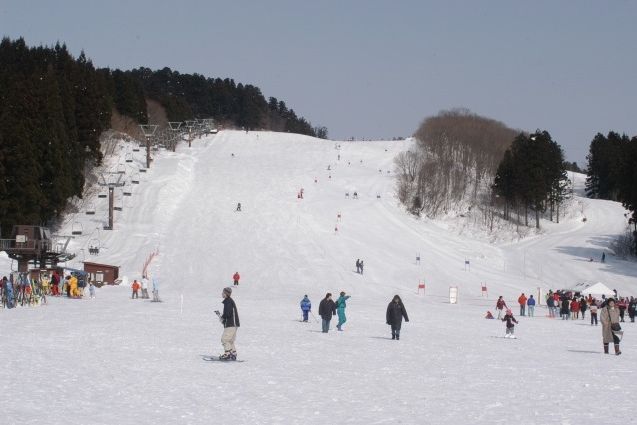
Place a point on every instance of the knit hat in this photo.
(227, 290)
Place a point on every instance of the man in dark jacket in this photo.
(394, 317)
(327, 309)
(230, 321)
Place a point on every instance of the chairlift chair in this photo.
(135, 178)
(102, 195)
(90, 209)
(135, 149)
(121, 169)
(127, 191)
(142, 170)
(94, 247)
(129, 157)
(77, 228)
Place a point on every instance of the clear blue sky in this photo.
(377, 68)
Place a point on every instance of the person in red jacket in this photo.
(236, 278)
(500, 305)
(522, 302)
(575, 309)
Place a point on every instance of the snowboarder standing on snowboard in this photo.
(327, 309)
(394, 317)
(306, 307)
(340, 308)
(508, 317)
(230, 321)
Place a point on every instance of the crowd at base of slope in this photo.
(570, 306)
(21, 290)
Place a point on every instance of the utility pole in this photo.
(149, 131)
(114, 180)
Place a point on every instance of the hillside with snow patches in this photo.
(113, 360)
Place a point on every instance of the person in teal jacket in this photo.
(340, 309)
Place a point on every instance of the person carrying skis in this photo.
(230, 321)
(327, 309)
(610, 326)
(508, 317)
(500, 305)
(306, 307)
(340, 308)
(522, 301)
(530, 303)
(235, 278)
(394, 316)
(358, 265)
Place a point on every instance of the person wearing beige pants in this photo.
(230, 321)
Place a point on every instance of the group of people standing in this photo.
(328, 308)
(610, 312)
(23, 289)
(359, 266)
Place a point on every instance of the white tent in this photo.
(598, 289)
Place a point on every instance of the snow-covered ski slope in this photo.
(114, 360)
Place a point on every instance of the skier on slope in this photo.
(306, 307)
(510, 327)
(340, 309)
(235, 278)
(327, 309)
(500, 305)
(394, 316)
(230, 321)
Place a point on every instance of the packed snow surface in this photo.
(114, 360)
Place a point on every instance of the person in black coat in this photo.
(230, 321)
(327, 309)
(394, 317)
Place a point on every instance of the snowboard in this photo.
(216, 359)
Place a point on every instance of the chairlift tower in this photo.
(190, 125)
(174, 127)
(149, 131)
(111, 180)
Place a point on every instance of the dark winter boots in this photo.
(617, 352)
(605, 348)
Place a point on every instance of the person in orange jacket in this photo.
(575, 308)
(135, 287)
(522, 302)
(236, 278)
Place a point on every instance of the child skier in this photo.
(306, 307)
(235, 278)
(508, 317)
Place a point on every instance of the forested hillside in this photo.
(55, 107)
